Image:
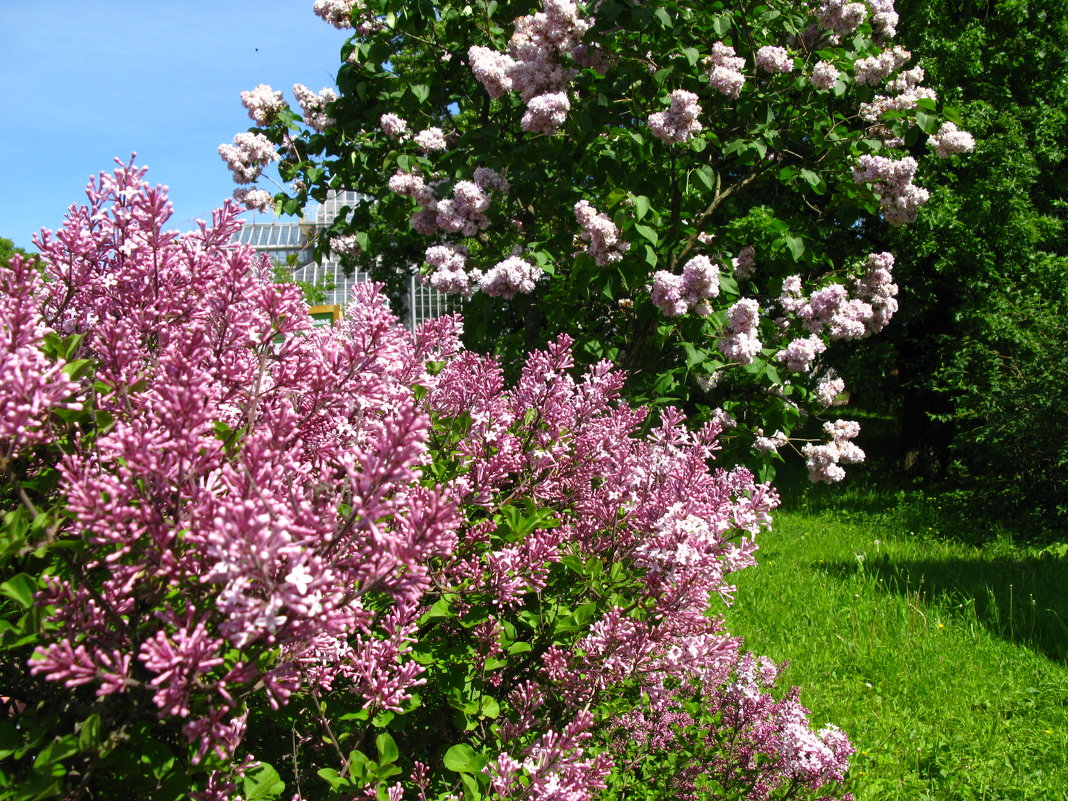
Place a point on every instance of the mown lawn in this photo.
(946, 663)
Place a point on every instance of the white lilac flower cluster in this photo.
(344, 245)
(905, 94)
(679, 123)
(510, 277)
(313, 105)
(770, 444)
(831, 310)
(725, 70)
(248, 155)
(337, 12)
(823, 460)
(506, 279)
(824, 74)
(774, 59)
(891, 181)
(600, 233)
(741, 343)
(676, 295)
(841, 16)
(877, 287)
(546, 113)
(449, 271)
(950, 140)
(431, 140)
(534, 64)
(870, 71)
(464, 213)
(263, 104)
(884, 19)
(829, 390)
(800, 353)
(253, 199)
(394, 127)
(744, 263)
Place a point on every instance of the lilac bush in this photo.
(660, 169)
(253, 558)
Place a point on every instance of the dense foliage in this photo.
(691, 190)
(246, 556)
(975, 362)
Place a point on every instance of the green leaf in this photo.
(691, 55)
(647, 233)
(387, 749)
(462, 758)
(663, 17)
(20, 589)
(333, 778)
(641, 206)
(262, 783)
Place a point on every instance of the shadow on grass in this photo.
(1022, 600)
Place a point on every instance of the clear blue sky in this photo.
(88, 80)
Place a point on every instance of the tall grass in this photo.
(947, 662)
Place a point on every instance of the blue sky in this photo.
(88, 80)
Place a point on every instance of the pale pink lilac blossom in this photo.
(951, 140)
(725, 70)
(741, 343)
(602, 236)
(772, 58)
(679, 123)
(263, 104)
(314, 104)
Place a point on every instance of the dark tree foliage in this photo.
(977, 364)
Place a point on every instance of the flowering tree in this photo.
(243, 556)
(694, 190)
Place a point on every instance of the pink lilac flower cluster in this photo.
(676, 295)
(256, 572)
(951, 140)
(824, 75)
(831, 309)
(771, 58)
(535, 64)
(313, 105)
(891, 180)
(601, 234)
(841, 16)
(824, 461)
(394, 127)
(742, 343)
(801, 352)
(679, 123)
(248, 155)
(30, 385)
(262, 521)
(263, 104)
(725, 70)
(744, 263)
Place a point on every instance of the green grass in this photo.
(947, 663)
